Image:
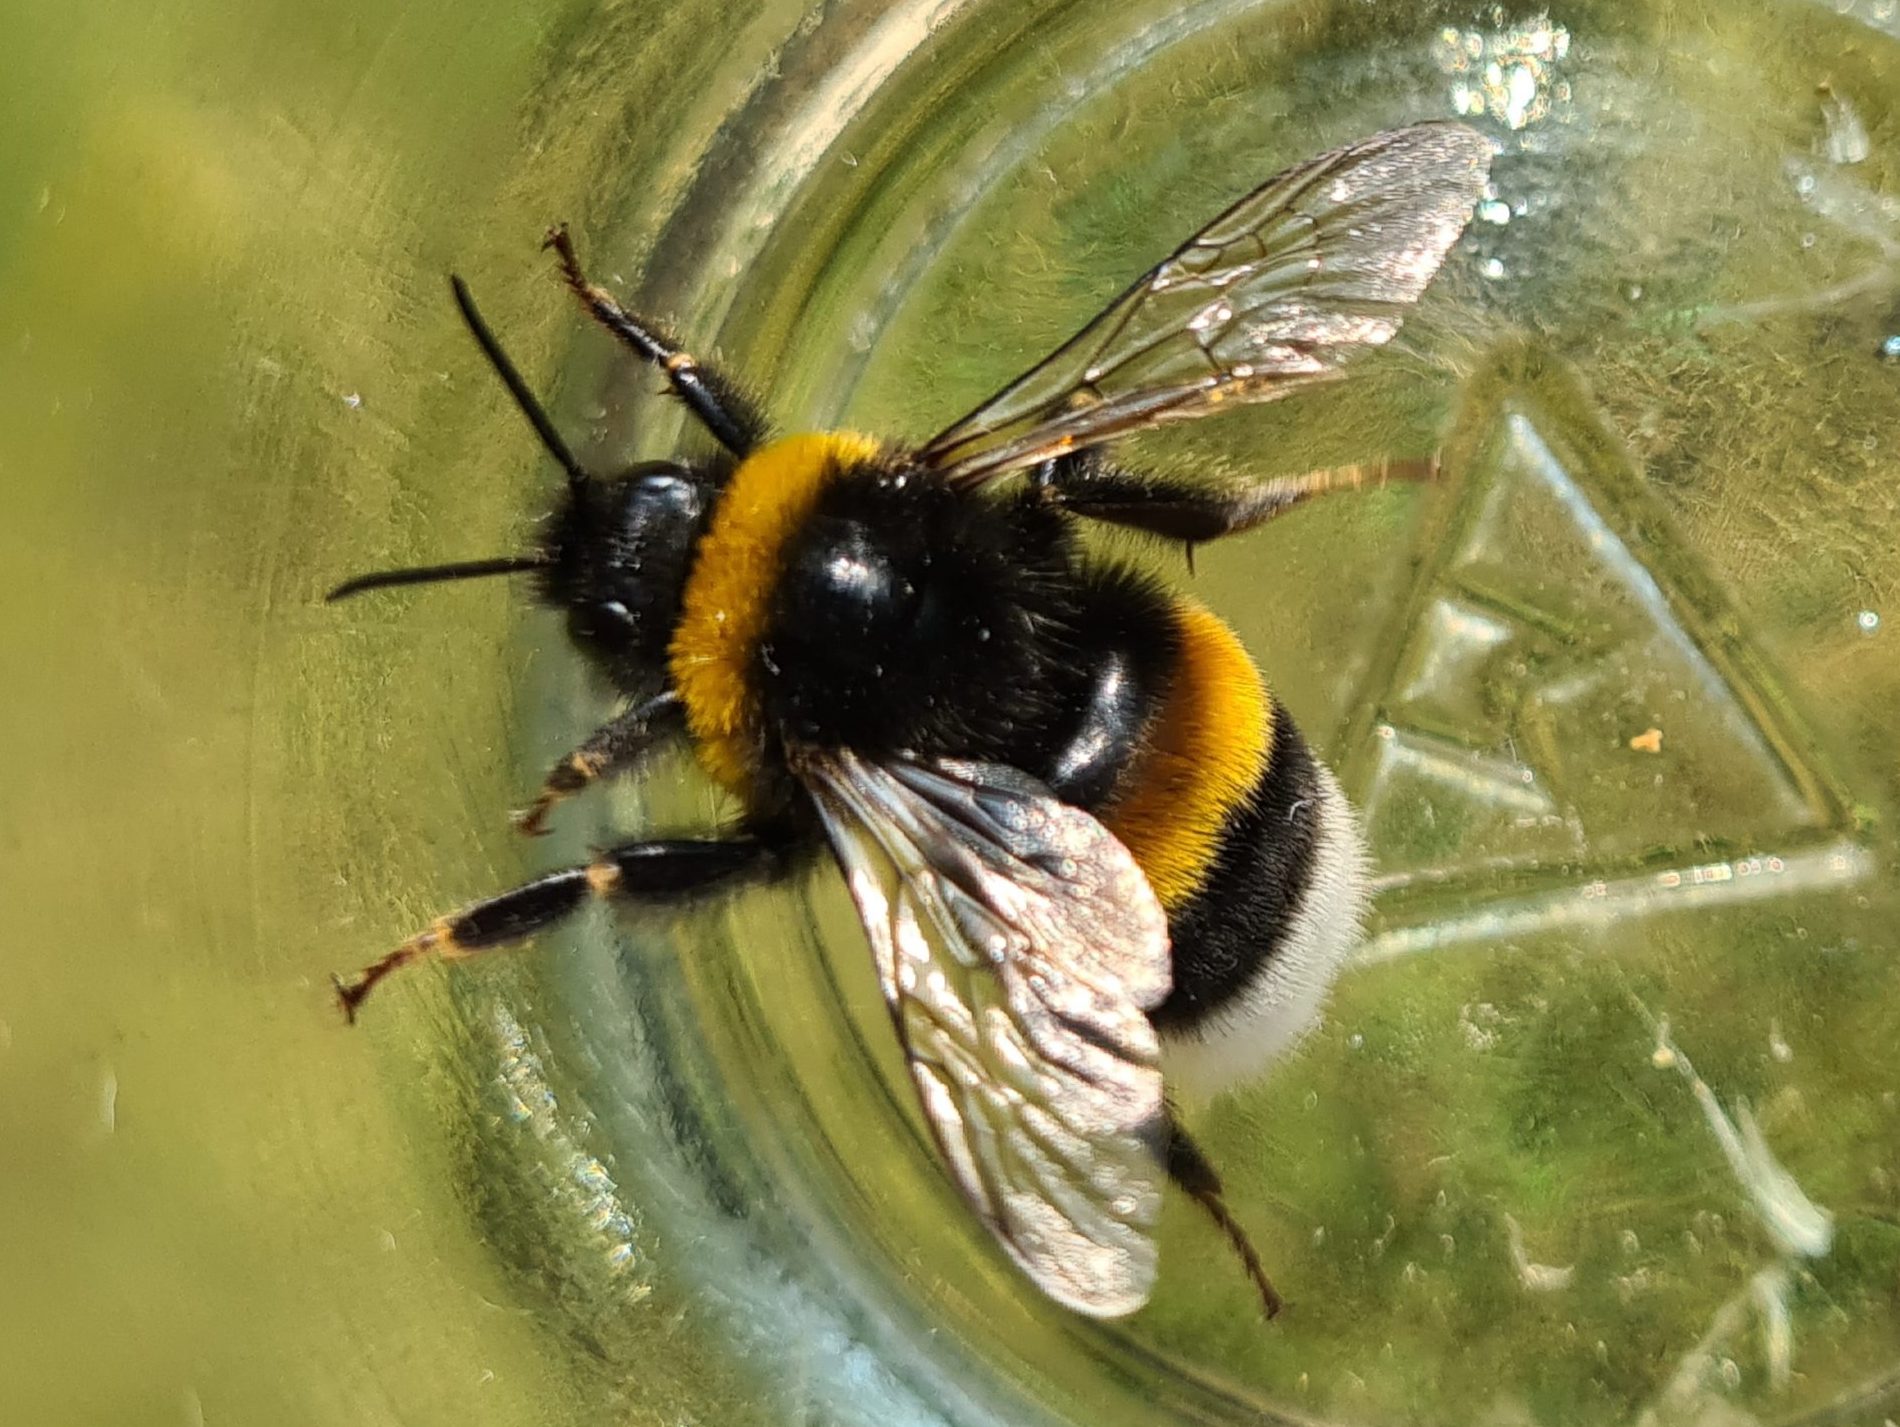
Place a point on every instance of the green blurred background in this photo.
(223, 235)
(673, 1176)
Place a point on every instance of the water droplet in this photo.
(1493, 267)
(1867, 621)
(1890, 349)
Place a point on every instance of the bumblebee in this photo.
(1077, 827)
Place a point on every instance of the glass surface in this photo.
(1603, 1127)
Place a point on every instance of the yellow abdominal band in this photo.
(1207, 751)
(727, 597)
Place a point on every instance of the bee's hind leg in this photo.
(1197, 511)
(671, 872)
(1188, 1167)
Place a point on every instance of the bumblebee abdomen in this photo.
(1253, 850)
(1206, 748)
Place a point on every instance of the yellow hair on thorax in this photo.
(728, 594)
(1206, 752)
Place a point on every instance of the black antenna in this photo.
(517, 388)
(428, 574)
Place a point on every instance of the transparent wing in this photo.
(1018, 946)
(1297, 278)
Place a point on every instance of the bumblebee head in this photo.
(616, 554)
(616, 559)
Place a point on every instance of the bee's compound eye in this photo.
(607, 625)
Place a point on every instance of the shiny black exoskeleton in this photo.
(910, 618)
(616, 559)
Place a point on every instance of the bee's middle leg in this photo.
(1194, 512)
(659, 873)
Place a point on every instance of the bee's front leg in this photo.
(719, 403)
(614, 747)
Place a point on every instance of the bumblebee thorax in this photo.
(729, 594)
(846, 597)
